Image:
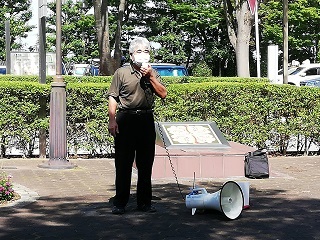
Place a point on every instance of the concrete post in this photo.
(8, 46)
(58, 129)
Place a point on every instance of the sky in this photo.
(32, 36)
(31, 40)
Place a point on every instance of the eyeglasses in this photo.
(142, 51)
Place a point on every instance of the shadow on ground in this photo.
(271, 216)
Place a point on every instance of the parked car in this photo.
(84, 69)
(311, 82)
(92, 70)
(280, 73)
(78, 69)
(303, 73)
(3, 70)
(168, 69)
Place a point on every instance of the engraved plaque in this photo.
(190, 135)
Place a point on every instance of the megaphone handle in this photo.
(193, 211)
(197, 191)
(194, 179)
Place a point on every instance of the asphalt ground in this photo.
(76, 204)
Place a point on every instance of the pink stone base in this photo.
(206, 163)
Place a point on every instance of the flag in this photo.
(252, 6)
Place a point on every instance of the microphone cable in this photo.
(150, 103)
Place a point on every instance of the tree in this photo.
(198, 23)
(189, 31)
(108, 63)
(239, 24)
(79, 41)
(78, 30)
(20, 13)
(304, 21)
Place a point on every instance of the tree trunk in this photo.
(239, 31)
(244, 20)
(102, 26)
(108, 64)
(117, 47)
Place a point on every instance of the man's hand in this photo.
(146, 69)
(159, 89)
(113, 127)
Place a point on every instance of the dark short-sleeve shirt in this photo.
(131, 90)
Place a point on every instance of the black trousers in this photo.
(135, 141)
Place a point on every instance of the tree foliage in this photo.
(20, 13)
(79, 40)
(304, 21)
(189, 31)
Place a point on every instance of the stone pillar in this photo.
(58, 130)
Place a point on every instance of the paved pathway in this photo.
(74, 204)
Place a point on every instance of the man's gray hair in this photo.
(139, 42)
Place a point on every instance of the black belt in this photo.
(136, 111)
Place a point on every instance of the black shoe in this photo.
(147, 208)
(118, 210)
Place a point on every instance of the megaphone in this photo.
(228, 200)
(245, 188)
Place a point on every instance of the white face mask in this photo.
(140, 58)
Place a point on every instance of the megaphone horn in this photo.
(228, 200)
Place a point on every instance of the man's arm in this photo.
(158, 88)
(113, 126)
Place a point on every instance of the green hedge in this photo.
(250, 113)
(49, 79)
(175, 80)
(87, 117)
(20, 114)
(107, 79)
(20, 121)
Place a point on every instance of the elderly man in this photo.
(131, 123)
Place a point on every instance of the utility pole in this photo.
(253, 6)
(42, 4)
(8, 43)
(256, 24)
(42, 40)
(285, 41)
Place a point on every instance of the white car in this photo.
(280, 73)
(78, 69)
(304, 72)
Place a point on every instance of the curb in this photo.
(27, 196)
